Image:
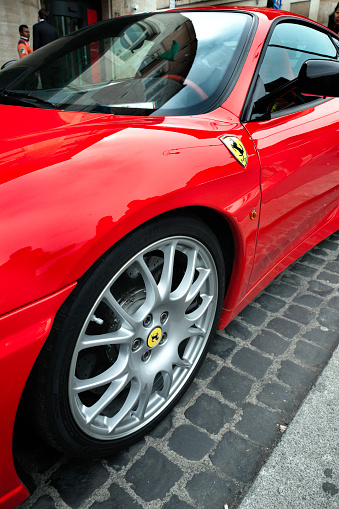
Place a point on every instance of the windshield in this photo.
(171, 63)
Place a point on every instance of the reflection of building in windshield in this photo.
(156, 46)
(173, 52)
(168, 49)
(134, 37)
(146, 51)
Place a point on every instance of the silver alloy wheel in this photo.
(143, 338)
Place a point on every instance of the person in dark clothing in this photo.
(333, 20)
(43, 32)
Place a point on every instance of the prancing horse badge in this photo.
(236, 148)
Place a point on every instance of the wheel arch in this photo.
(219, 225)
(222, 230)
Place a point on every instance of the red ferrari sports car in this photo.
(157, 171)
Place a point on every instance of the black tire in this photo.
(150, 338)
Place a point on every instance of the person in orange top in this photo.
(24, 47)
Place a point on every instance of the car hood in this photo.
(73, 184)
(49, 137)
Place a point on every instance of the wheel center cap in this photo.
(154, 337)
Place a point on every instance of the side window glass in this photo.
(290, 46)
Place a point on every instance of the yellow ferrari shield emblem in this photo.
(236, 148)
(154, 337)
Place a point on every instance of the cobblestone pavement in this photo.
(206, 453)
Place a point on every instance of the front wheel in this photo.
(132, 340)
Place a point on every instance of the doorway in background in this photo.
(68, 17)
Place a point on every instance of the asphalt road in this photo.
(208, 451)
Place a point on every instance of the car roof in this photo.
(261, 12)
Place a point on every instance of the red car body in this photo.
(69, 192)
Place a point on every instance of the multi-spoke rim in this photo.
(143, 338)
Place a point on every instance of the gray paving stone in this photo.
(221, 346)
(277, 396)
(176, 503)
(310, 259)
(118, 499)
(251, 362)
(311, 354)
(292, 279)
(211, 492)
(327, 339)
(259, 424)
(207, 369)
(233, 386)
(237, 330)
(332, 267)
(328, 244)
(190, 443)
(281, 290)
(270, 343)
(311, 301)
(253, 315)
(270, 303)
(319, 288)
(188, 396)
(299, 314)
(328, 277)
(303, 270)
(163, 427)
(294, 375)
(153, 475)
(318, 251)
(284, 327)
(45, 502)
(208, 413)
(334, 302)
(77, 479)
(237, 457)
(122, 458)
(329, 318)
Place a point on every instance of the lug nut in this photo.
(163, 339)
(163, 317)
(135, 345)
(146, 356)
(148, 320)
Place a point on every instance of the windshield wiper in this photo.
(24, 97)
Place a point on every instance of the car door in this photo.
(297, 140)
